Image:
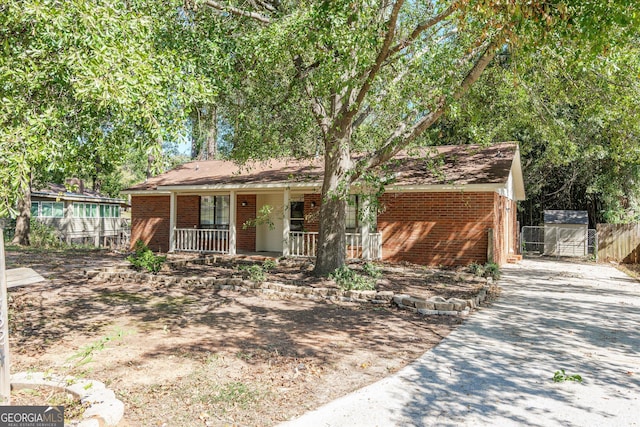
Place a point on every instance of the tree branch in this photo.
(422, 27)
(349, 110)
(317, 108)
(239, 12)
(403, 135)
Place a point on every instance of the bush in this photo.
(371, 270)
(254, 272)
(43, 236)
(269, 265)
(348, 279)
(490, 269)
(476, 269)
(144, 259)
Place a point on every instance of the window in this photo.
(85, 210)
(47, 209)
(214, 212)
(354, 215)
(297, 216)
(109, 211)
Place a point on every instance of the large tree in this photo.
(373, 76)
(576, 118)
(84, 82)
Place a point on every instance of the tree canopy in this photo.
(576, 120)
(336, 78)
(82, 83)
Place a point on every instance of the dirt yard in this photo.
(181, 357)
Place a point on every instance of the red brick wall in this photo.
(312, 213)
(188, 212)
(423, 228)
(150, 221)
(436, 228)
(245, 239)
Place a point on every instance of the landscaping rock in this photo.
(385, 295)
(398, 298)
(443, 306)
(458, 304)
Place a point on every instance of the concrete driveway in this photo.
(497, 368)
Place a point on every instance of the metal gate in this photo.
(558, 241)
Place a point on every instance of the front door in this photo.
(269, 234)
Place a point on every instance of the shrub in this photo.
(476, 269)
(255, 272)
(490, 269)
(144, 259)
(348, 279)
(269, 265)
(371, 270)
(43, 236)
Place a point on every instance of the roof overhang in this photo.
(77, 197)
(199, 189)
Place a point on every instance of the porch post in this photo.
(173, 210)
(364, 228)
(232, 222)
(286, 223)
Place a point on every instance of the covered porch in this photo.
(273, 220)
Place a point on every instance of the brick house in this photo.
(459, 211)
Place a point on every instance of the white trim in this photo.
(214, 187)
(173, 215)
(146, 192)
(286, 222)
(364, 228)
(232, 222)
(77, 198)
(518, 179)
(264, 188)
(471, 188)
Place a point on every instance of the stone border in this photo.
(104, 409)
(441, 306)
(433, 306)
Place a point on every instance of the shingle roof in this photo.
(457, 165)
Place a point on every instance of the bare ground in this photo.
(187, 357)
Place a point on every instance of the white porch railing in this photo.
(301, 244)
(305, 244)
(202, 240)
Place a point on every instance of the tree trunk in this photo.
(23, 221)
(212, 133)
(196, 148)
(204, 131)
(332, 241)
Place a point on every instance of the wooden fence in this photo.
(619, 242)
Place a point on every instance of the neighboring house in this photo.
(80, 215)
(566, 233)
(464, 213)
